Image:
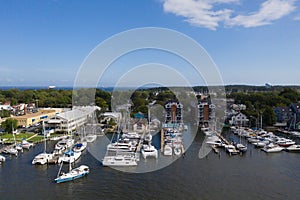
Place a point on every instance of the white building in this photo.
(239, 120)
(68, 121)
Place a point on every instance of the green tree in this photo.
(269, 117)
(8, 124)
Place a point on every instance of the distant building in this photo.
(239, 120)
(173, 112)
(206, 113)
(288, 116)
(5, 106)
(68, 121)
(34, 118)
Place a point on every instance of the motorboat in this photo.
(42, 158)
(25, 144)
(56, 138)
(285, 142)
(64, 144)
(19, 147)
(73, 174)
(242, 148)
(178, 150)
(272, 148)
(148, 138)
(231, 149)
(295, 147)
(261, 143)
(121, 147)
(2, 158)
(80, 146)
(149, 151)
(168, 151)
(69, 156)
(119, 161)
(12, 151)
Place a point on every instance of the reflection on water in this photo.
(255, 175)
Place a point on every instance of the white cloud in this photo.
(269, 11)
(199, 13)
(203, 13)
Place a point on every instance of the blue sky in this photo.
(252, 42)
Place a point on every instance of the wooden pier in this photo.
(162, 141)
(222, 138)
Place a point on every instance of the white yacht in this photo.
(121, 147)
(25, 144)
(73, 174)
(295, 147)
(12, 151)
(80, 146)
(69, 156)
(119, 161)
(2, 158)
(272, 148)
(168, 151)
(177, 150)
(42, 158)
(64, 144)
(231, 149)
(242, 148)
(149, 150)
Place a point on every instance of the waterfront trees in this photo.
(8, 124)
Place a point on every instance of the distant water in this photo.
(255, 175)
(108, 89)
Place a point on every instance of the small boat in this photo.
(294, 148)
(272, 148)
(122, 147)
(149, 151)
(285, 142)
(12, 151)
(64, 144)
(69, 157)
(2, 158)
(168, 150)
(79, 147)
(260, 144)
(19, 147)
(242, 148)
(119, 161)
(177, 150)
(73, 174)
(56, 138)
(42, 158)
(25, 144)
(231, 149)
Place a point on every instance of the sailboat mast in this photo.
(45, 145)
(149, 118)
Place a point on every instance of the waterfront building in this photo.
(206, 113)
(239, 120)
(5, 106)
(69, 120)
(34, 118)
(173, 112)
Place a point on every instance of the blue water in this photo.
(255, 175)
